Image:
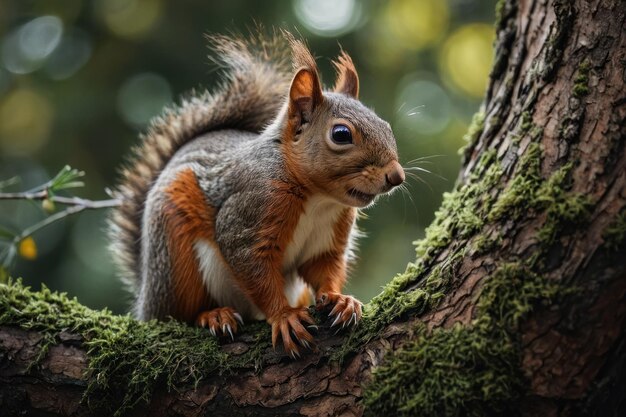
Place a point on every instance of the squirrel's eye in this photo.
(341, 135)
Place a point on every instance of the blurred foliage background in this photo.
(80, 79)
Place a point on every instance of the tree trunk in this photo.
(515, 305)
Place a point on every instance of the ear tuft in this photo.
(301, 56)
(305, 93)
(347, 77)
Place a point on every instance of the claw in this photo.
(238, 318)
(334, 311)
(305, 344)
(212, 330)
(353, 318)
(230, 331)
(336, 320)
(312, 327)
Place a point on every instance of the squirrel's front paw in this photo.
(222, 320)
(347, 309)
(288, 324)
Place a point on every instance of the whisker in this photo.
(405, 191)
(417, 169)
(419, 162)
(420, 169)
(423, 158)
(417, 178)
(413, 112)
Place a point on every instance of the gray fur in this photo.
(257, 73)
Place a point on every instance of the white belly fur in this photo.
(220, 283)
(313, 236)
(314, 233)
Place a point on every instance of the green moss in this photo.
(485, 243)
(464, 370)
(615, 233)
(515, 199)
(474, 131)
(581, 81)
(463, 210)
(127, 358)
(528, 191)
(475, 128)
(451, 372)
(562, 208)
(504, 11)
(526, 122)
(499, 12)
(536, 132)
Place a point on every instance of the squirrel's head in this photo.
(332, 141)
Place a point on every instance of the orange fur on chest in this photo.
(284, 208)
(188, 218)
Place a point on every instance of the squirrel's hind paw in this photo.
(220, 321)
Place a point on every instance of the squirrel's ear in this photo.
(347, 78)
(305, 94)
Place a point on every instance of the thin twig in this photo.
(71, 201)
(77, 205)
(40, 195)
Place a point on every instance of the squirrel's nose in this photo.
(395, 174)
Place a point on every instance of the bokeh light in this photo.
(5, 80)
(424, 106)
(132, 19)
(417, 24)
(26, 48)
(72, 53)
(467, 56)
(25, 122)
(328, 17)
(142, 97)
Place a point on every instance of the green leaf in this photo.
(6, 234)
(9, 182)
(66, 178)
(73, 184)
(7, 255)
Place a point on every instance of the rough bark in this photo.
(554, 125)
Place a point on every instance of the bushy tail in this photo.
(256, 72)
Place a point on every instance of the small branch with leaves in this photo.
(18, 242)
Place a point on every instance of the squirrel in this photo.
(241, 204)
